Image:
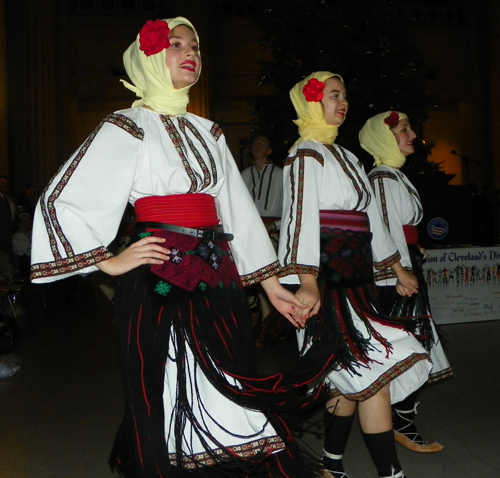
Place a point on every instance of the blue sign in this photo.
(438, 228)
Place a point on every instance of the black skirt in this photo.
(208, 315)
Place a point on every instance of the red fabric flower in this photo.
(153, 37)
(392, 120)
(313, 90)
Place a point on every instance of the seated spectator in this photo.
(8, 271)
(21, 242)
(8, 209)
(27, 199)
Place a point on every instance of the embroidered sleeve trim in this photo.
(387, 274)
(378, 177)
(383, 202)
(49, 212)
(216, 131)
(387, 262)
(384, 275)
(70, 264)
(297, 184)
(383, 174)
(261, 274)
(299, 269)
(300, 208)
(302, 153)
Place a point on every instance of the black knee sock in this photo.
(383, 452)
(404, 415)
(409, 402)
(337, 430)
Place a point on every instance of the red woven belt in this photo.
(190, 214)
(411, 235)
(186, 210)
(352, 220)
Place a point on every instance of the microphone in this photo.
(464, 157)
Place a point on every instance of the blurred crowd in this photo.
(16, 213)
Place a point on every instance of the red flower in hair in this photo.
(153, 37)
(392, 120)
(313, 90)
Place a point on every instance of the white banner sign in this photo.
(464, 284)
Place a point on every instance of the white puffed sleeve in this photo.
(299, 245)
(79, 212)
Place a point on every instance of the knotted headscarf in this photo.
(151, 77)
(311, 118)
(377, 138)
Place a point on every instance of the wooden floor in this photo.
(59, 413)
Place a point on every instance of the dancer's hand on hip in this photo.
(145, 251)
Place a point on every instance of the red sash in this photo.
(411, 235)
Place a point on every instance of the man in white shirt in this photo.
(264, 180)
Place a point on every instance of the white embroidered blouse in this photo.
(131, 154)
(319, 177)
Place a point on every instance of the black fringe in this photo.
(216, 326)
(413, 311)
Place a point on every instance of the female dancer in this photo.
(388, 137)
(328, 220)
(194, 406)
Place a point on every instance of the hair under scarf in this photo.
(377, 138)
(151, 77)
(311, 118)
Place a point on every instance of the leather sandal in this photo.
(329, 463)
(407, 435)
(417, 444)
(399, 474)
(334, 474)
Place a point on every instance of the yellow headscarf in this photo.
(311, 121)
(151, 77)
(377, 138)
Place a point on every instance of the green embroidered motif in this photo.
(142, 235)
(163, 288)
(220, 284)
(202, 285)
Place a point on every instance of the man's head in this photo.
(4, 185)
(261, 147)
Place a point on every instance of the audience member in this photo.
(264, 181)
(27, 200)
(21, 242)
(8, 209)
